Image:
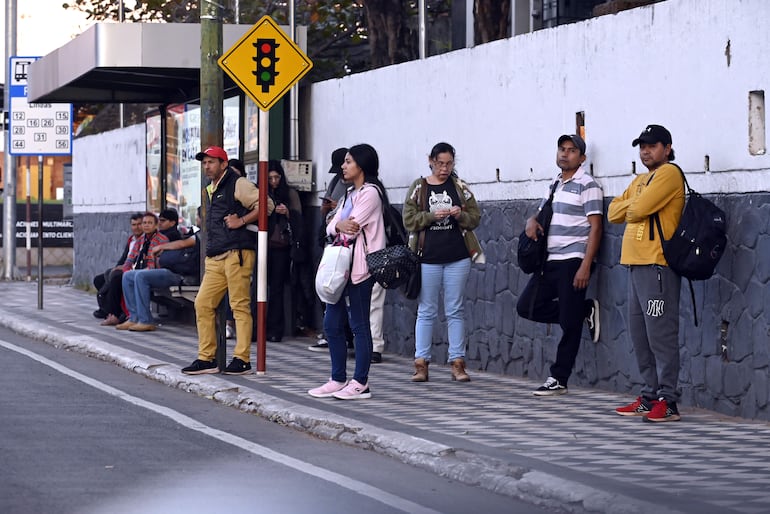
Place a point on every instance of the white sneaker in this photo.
(592, 319)
(353, 391)
(328, 389)
(321, 346)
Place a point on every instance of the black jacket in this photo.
(223, 202)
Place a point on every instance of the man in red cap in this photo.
(232, 203)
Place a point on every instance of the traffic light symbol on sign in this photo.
(266, 61)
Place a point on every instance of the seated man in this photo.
(168, 224)
(138, 284)
(112, 277)
(139, 257)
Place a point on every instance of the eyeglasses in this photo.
(162, 219)
(442, 164)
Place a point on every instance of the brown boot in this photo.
(458, 371)
(420, 370)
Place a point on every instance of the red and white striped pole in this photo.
(264, 134)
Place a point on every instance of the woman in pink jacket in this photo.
(359, 220)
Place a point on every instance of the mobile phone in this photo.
(325, 198)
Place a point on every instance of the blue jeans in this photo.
(452, 277)
(354, 305)
(137, 286)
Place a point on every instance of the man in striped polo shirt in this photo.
(559, 294)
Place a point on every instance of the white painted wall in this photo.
(503, 105)
(109, 171)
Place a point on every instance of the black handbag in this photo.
(392, 266)
(531, 255)
(414, 284)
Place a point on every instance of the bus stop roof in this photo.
(127, 63)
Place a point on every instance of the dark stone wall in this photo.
(725, 359)
(99, 241)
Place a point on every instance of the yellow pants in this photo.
(222, 275)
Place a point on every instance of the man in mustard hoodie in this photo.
(653, 288)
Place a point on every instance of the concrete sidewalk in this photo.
(569, 452)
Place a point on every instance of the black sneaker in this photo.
(376, 357)
(238, 367)
(592, 319)
(199, 367)
(551, 387)
(100, 314)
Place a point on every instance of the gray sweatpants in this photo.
(653, 312)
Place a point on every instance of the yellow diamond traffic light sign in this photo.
(265, 63)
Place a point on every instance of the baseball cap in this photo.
(338, 157)
(170, 215)
(576, 140)
(212, 151)
(653, 134)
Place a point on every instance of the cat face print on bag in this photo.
(440, 202)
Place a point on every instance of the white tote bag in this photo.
(333, 272)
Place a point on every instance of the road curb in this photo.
(495, 475)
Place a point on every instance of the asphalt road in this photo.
(78, 435)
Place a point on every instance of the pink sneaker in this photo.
(353, 391)
(327, 390)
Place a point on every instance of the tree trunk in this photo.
(388, 42)
(491, 20)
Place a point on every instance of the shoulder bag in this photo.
(531, 254)
(393, 265)
(334, 270)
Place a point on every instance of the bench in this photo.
(176, 298)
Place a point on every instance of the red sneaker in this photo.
(639, 407)
(663, 410)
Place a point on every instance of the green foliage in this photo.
(336, 30)
(340, 32)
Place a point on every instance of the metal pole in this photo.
(163, 171)
(470, 35)
(29, 220)
(293, 96)
(9, 189)
(264, 135)
(422, 30)
(121, 19)
(212, 96)
(40, 232)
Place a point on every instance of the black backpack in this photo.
(699, 240)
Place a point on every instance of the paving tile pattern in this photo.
(724, 462)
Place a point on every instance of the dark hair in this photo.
(366, 158)
(281, 193)
(671, 155)
(152, 214)
(137, 216)
(442, 148)
(170, 214)
(238, 166)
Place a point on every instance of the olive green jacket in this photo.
(417, 220)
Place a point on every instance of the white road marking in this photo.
(260, 451)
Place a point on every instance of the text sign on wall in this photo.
(35, 128)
